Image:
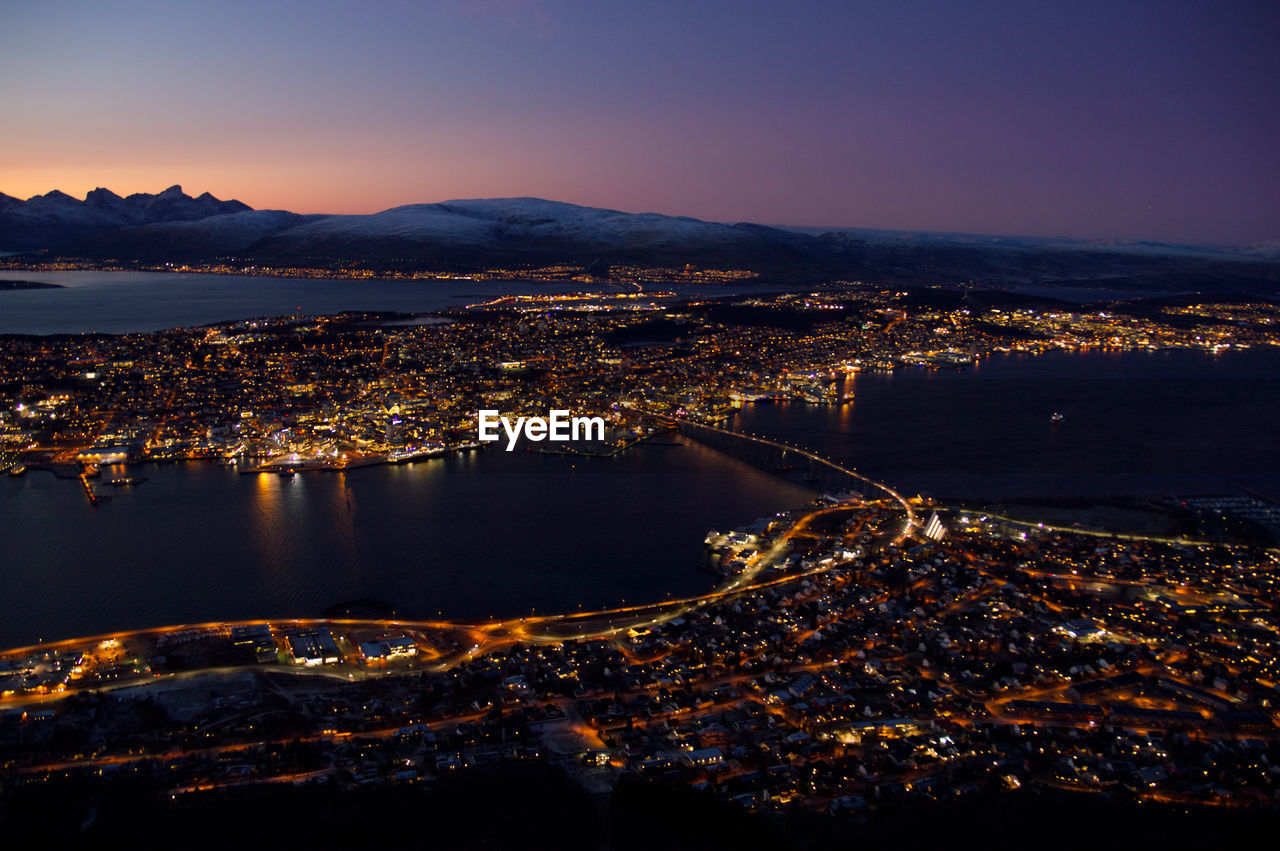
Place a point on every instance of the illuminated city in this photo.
(630, 426)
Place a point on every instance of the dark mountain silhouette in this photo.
(516, 233)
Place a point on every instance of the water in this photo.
(1133, 423)
(121, 302)
(504, 534)
(490, 533)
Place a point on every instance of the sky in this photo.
(1128, 120)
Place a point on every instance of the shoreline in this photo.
(526, 276)
(732, 584)
(495, 634)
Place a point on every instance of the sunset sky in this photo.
(1155, 120)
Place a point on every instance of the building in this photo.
(312, 648)
(256, 640)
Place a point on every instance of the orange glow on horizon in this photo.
(262, 189)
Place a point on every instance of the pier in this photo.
(85, 475)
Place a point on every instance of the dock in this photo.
(94, 498)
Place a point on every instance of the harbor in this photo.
(341, 462)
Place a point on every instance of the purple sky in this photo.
(1155, 120)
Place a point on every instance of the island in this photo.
(28, 285)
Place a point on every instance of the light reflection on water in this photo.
(504, 533)
(468, 535)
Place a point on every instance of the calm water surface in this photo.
(469, 535)
(1133, 423)
(120, 302)
(506, 533)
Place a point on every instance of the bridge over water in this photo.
(812, 469)
(780, 459)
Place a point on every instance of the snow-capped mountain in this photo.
(514, 233)
(56, 220)
(213, 236)
(524, 230)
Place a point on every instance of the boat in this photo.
(1056, 418)
(285, 473)
(126, 482)
(406, 454)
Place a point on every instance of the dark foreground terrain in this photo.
(534, 806)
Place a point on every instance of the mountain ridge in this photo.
(475, 234)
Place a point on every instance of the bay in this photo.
(467, 536)
(125, 302)
(504, 534)
(1133, 423)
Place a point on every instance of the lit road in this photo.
(475, 639)
(912, 522)
(480, 638)
(1032, 525)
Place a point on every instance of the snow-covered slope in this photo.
(516, 233)
(498, 220)
(523, 230)
(214, 236)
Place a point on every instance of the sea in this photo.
(124, 302)
(495, 533)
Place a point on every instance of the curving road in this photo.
(485, 637)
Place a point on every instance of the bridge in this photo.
(820, 472)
